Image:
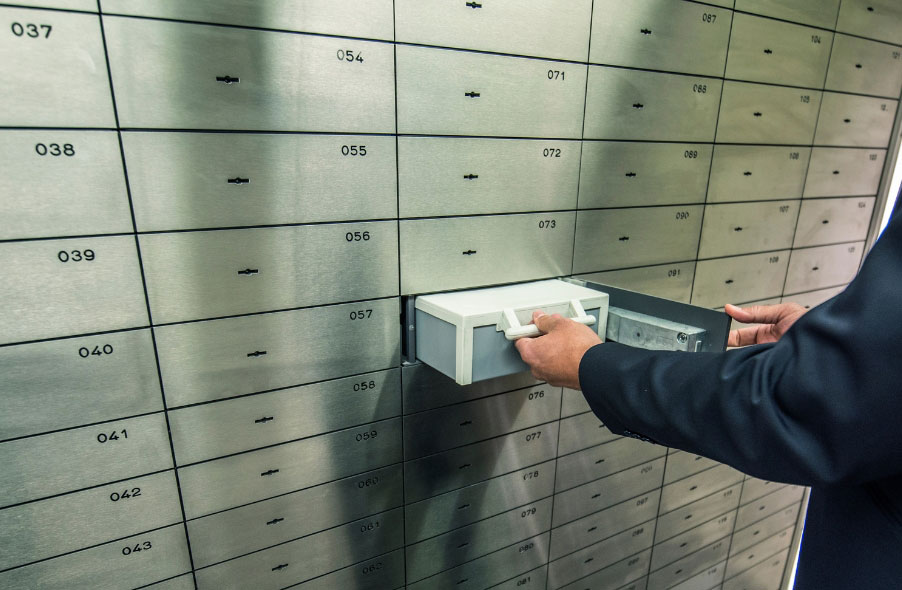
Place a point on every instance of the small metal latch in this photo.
(645, 331)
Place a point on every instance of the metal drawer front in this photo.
(591, 464)
(877, 19)
(354, 18)
(689, 566)
(582, 431)
(71, 181)
(661, 35)
(437, 430)
(432, 475)
(66, 523)
(425, 388)
(256, 179)
(824, 266)
(85, 5)
(769, 526)
(529, 27)
(753, 488)
(595, 527)
(212, 430)
(865, 67)
(573, 403)
(476, 251)
(839, 172)
(73, 459)
(759, 552)
(75, 382)
(218, 81)
(66, 287)
(463, 506)
(767, 505)
(682, 464)
(240, 479)
(758, 113)
(768, 574)
(682, 545)
(465, 176)
(825, 221)
(51, 49)
(458, 93)
(738, 228)
(627, 174)
(698, 486)
(739, 279)
(757, 173)
(819, 13)
(611, 576)
(600, 494)
(847, 120)
(588, 560)
(691, 515)
(628, 104)
(670, 281)
(531, 580)
(204, 361)
(764, 50)
(634, 237)
(253, 527)
(110, 565)
(378, 573)
(705, 580)
(308, 557)
(814, 298)
(446, 551)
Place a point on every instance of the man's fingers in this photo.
(743, 336)
(544, 322)
(523, 347)
(757, 314)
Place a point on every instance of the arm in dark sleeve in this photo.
(822, 406)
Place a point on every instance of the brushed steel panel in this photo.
(476, 251)
(865, 67)
(81, 519)
(286, 82)
(210, 360)
(579, 432)
(600, 494)
(706, 580)
(183, 582)
(240, 479)
(695, 487)
(670, 281)
(625, 174)
(85, 5)
(595, 527)
(437, 430)
(163, 553)
(46, 297)
(385, 571)
(54, 49)
(224, 535)
(699, 511)
(490, 569)
(618, 238)
(765, 50)
(586, 561)
(58, 195)
(557, 31)
(763, 576)
(758, 113)
(72, 386)
(819, 13)
(753, 488)
(739, 228)
(757, 173)
(838, 172)
(531, 580)
(690, 565)
(745, 538)
(739, 279)
(814, 298)
(425, 388)
(354, 18)
(825, 221)
(212, 180)
(445, 551)
(661, 35)
(823, 266)
(682, 464)
(613, 575)
(465, 176)
(573, 402)
(207, 431)
(308, 557)
(603, 460)
(766, 505)
(466, 505)
(692, 540)
(759, 553)
(848, 120)
(458, 93)
(51, 464)
(876, 19)
(629, 104)
(435, 474)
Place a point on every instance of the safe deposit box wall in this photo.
(211, 211)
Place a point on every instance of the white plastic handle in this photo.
(514, 330)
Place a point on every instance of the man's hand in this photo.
(774, 320)
(554, 357)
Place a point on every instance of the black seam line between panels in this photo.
(42, 9)
(762, 560)
(707, 545)
(787, 248)
(533, 571)
(619, 561)
(603, 477)
(353, 565)
(594, 543)
(781, 553)
(88, 425)
(169, 579)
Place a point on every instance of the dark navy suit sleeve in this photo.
(822, 406)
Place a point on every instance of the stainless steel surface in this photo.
(865, 67)
(758, 553)
(631, 568)
(704, 580)
(814, 298)
(86, 5)
(209, 180)
(531, 580)
(739, 279)
(586, 561)
(67, 287)
(385, 571)
(662, 35)
(757, 173)
(632, 174)
(425, 388)
(695, 513)
(542, 29)
(71, 180)
(630, 104)
(680, 493)
(582, 431)
(877, 19)
(745, 538)
(818, 13)
(826, 221)
(741, 228)
(210, 360)
(573, 402)
(653, 333)
(767, 505)
(847, 120)
(823, 266)
(840, 172)
(466, 176)
(670, 281)
(603, 460)
(688, 566)
(682, 464)
(759, 113)
(754, 488)
(764, 575)
(692, 540)
(476, 251)
(77, 381)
